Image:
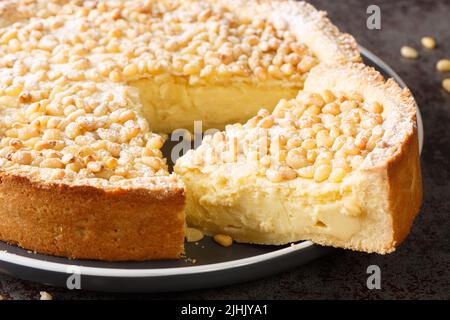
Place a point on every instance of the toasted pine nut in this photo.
(193, 234)
(44, 295)
(223, 240)
(446, 84)
(409, 52)
(428, 42)
(443, 65)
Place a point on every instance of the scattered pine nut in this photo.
(446, 84)
(45, 295)
(193, 235)
(428, 42)
(223, 239)
(409, 53)
(443, 65)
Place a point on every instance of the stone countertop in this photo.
(419, 269)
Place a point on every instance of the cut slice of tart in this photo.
(87, 182)
(83, 84)
(338, 165)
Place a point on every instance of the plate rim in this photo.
(155, 272)
(68, 267)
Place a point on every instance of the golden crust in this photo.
(405, 189)
(88, 222)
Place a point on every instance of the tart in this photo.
(87, 88)
(338, 165)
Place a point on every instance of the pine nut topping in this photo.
(68, 72)
(321, 137)
(79, 116)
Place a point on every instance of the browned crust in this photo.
(91, 223)
(402, 168)
(405, 188)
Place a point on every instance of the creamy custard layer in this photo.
(253, 210)
(172, 103)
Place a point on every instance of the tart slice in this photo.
(87, 182)
(338, 165)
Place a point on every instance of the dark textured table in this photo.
(420, 267)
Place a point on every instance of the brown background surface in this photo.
(419, 269)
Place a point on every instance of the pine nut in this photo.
(443, 65)
(409, 52)
(446, 84)
(223, 240)
(428, 42)
(193, 234)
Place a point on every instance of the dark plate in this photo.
(208, 264)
